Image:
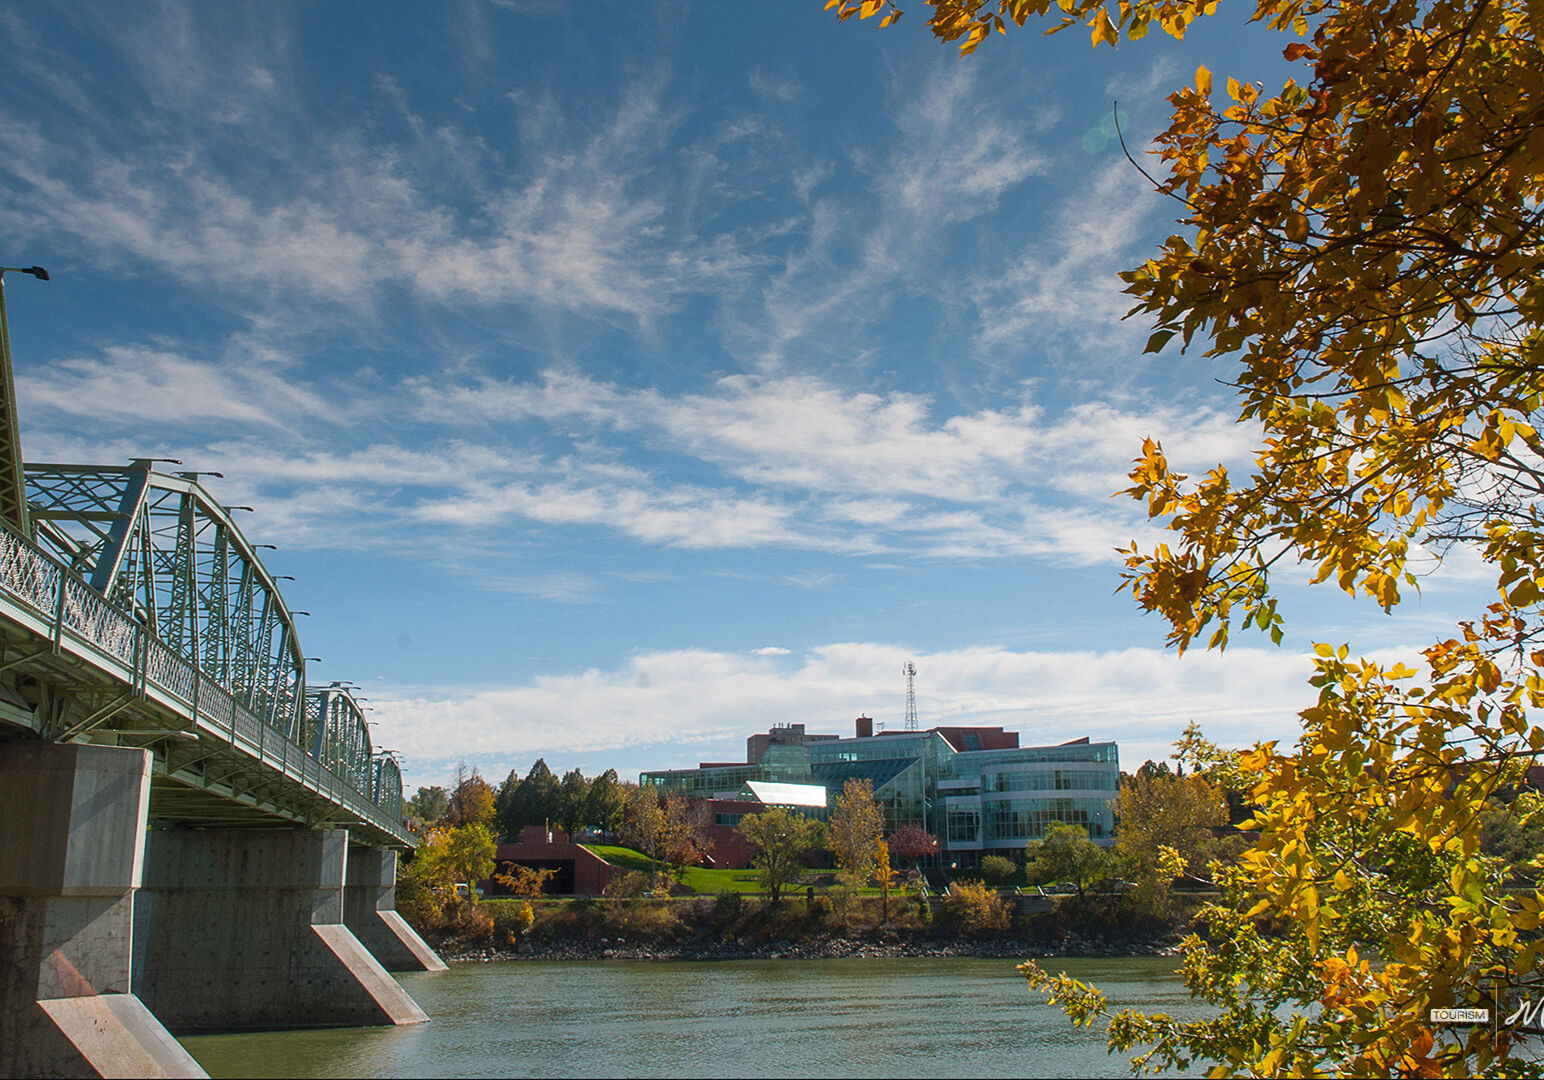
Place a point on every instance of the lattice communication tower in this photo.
(909, 670)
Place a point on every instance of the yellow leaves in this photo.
(864, 9)
(1363, 250)
(1103, 28)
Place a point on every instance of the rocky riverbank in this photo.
(823, 949)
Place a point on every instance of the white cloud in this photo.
(658, 703)
(251, 385)
(1064, 286)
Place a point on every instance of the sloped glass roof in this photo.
(773, 794)
(879, 772)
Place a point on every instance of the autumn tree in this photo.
(524, 881)
(1159, 813)
(451, 856)
(782, 840)
(855, 831)
(471, 800)
(1363, 247)
(683, 833)
(643, 824)
(911, 844)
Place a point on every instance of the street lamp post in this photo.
(13, 481)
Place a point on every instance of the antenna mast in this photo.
(909, 670)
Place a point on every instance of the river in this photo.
(736, 1018)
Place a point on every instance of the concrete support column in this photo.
(72, 832)
(245, 928)
(370, 911)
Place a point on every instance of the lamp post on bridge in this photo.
(13, 482)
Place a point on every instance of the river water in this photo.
(736, 1018)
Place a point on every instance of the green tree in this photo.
(1512, 831)
(430, 804)
(535, 801)
(1364, 246)
(1065, 853)
(855, 832)
(606, 802)
(504, 804)
(572, 802)
(782, 840)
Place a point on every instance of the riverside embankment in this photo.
(704, 929)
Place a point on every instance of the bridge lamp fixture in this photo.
(36, 271)
(317, 659)
(270, 547)
(249, 509)
(299, 612)
(284, 577)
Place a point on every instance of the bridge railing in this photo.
(70, 608)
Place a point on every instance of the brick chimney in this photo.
(865, 727)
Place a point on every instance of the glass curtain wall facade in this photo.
(974, 801)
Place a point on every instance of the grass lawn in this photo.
(701, 880)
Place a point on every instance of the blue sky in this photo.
(617, 380)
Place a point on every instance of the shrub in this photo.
(999, 870)
(511, 922)
(633, 883)
(473, 923)
(727, 906)
(417, 904)
(976, 909)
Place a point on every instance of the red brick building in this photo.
(580, 872)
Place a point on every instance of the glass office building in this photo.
(974, 788)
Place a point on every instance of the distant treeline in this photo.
(538, 798)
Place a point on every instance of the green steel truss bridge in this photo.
(134, 611)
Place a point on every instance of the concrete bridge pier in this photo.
(370, 911)
(246, 930)
(72, 832)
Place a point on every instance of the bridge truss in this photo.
(137, 610)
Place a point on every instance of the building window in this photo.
(963, 826)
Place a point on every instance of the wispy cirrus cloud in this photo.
(794, 462)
